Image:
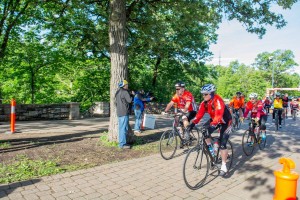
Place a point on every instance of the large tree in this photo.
(254, 15)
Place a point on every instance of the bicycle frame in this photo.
(204, 147)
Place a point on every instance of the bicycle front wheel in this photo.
(195, 168)
(168, 144)
(248, 143)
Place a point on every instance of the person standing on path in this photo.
(138, 106)
(123, 100)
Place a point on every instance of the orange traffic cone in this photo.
(286, 181)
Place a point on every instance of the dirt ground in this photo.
(86, 150)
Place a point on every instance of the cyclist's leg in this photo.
(207, 138)
(240, 112)
(262, 123)
(280, 116)
(186, 120)
(224, 135)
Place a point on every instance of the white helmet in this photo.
(207, 89)
(253, 95)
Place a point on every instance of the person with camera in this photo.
(138, 107)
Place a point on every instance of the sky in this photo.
(235, 43)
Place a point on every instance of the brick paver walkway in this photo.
(154, 178)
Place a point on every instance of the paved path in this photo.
(154, 178)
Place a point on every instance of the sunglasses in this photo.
(252, 98)
(178, 88)
(205, 94)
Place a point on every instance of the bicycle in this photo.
(294, 113)
(199, 161)
(283, 116)
(252, 137)
(277, 118)
(236, 122)
(169, 140)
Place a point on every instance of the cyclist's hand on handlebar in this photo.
(256, 119)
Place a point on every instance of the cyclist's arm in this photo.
(186, 107)
(247, 110)
(199, 114)
(219, 111)
(169, 106)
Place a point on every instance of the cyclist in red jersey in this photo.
(285, 100)
(220, 116)
(294, 105)
(267, 103)
(257, 111)
(185, 102)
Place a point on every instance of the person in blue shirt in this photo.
(138, 107)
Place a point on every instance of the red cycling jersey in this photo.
(267, 102)
(257, 109)
(215, 107)
(182, 100)
(294, 105)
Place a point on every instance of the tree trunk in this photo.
(32, 85)
(119, 60)
(158, 60)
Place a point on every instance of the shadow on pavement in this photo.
(9, 188)
(26, 143)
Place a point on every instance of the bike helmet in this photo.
(277, 94)
(207, 89)
(253, 95)
(238, 93)
(123, 83)
(179, 84)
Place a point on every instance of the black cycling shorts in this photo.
(191, 115)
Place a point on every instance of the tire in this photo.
(195, 168)
(294, 114)
(262, 143)
(276, 121)
(248, 150)
(168, 144)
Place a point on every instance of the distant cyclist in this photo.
(267, 103)
(237, 104)
(278, 105)
(294, 105)
(220, 116)
(185, 102)
(285, 100)
(256, 107)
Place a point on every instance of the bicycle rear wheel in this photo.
(294, 114)
(276, 121)
(195, 168)
(194, 137)
(168, 144)
(248, 143)
(262, 141)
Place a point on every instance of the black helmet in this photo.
(238, 93)
(179, 84)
